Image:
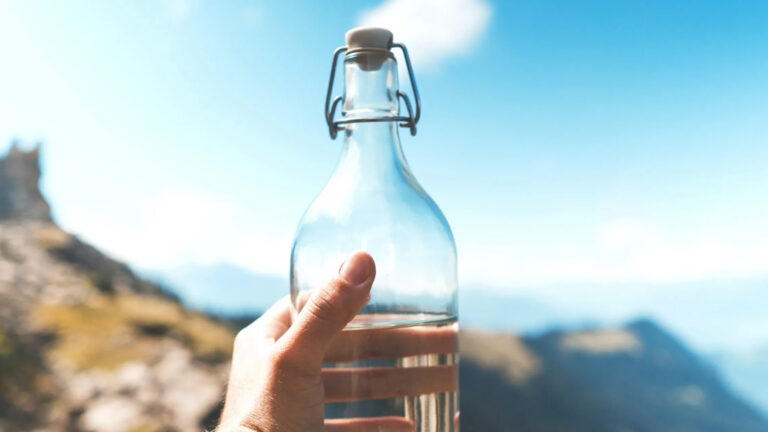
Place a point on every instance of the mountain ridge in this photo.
(634, 378)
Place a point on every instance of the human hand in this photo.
(277, 383)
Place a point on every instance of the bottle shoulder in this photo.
(395, 207)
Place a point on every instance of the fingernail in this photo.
(356, 269)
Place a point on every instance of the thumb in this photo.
(327, 311)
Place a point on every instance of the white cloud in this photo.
(433, 30)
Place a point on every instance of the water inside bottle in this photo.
(397, 376)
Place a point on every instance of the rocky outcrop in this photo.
(20, 197)
(85, 344)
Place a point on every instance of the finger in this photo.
(392, 343)
(263, 332)
(276, 320)
(251, 345)
(354, 384)
(326, 313)
(301, 299)
(372, 424)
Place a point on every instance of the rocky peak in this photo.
(20, 197)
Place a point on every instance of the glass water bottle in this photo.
(372, 202)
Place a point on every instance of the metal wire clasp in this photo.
(334, 126)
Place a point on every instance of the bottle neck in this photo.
(370, 85)
(371, 148)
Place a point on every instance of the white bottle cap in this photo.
(369, 37)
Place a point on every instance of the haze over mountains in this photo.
(723, 320)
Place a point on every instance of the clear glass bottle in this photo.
(372, 202)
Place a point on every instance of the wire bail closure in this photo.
(334, 126)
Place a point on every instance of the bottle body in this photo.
(401, 362)
(405, 362)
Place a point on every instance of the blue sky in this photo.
(594, 144)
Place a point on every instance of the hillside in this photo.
(84, 343)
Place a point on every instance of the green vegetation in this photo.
(109, 331)
(6, 347)
(15, 369)
(22, 384)
(103, 283)
(50, 236)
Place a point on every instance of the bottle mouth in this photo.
(383, 51)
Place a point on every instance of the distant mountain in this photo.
(637, 378)
(488, 309)
(223, 289)
(725, 314)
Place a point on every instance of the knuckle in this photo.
(324, 307)
(243, 337)
(280, 359)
